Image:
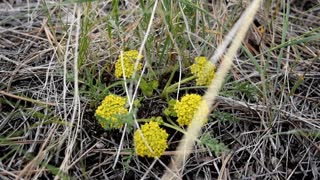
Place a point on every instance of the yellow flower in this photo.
(199, 70)
(129, 58)
(111, 107)
(154, 137)
(186, 108)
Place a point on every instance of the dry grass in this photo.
(56, 65)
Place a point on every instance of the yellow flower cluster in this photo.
(129, 58)
(186, 108)
(110, 108)
(154, 136)
(199, 70)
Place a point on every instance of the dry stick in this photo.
(222, 174)
(28, 99)
(186, 144)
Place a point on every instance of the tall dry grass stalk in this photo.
(238, 33)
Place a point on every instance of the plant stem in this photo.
(174, 127)
(173, 87)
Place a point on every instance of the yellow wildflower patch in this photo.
(154, 136)
(129, 59)
(204, 76)
(186, 108)
(111, 107)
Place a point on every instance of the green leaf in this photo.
(157, 119)
(148, 87)
(109, 124)
(213, 144)
(127, 119)
(242, 88)
(169, 111)
(224, 117)
(126, 160)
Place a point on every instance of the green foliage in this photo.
(148, 87)
(93, 87)
(242, 88)
(115, 10)
(157, 119)
(122, 119)
(213, 144)
(296, 85)
(224, 117)
(136, 102)
(84, 44)
(169, 111)
(126, 160)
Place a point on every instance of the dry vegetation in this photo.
(57, 64)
